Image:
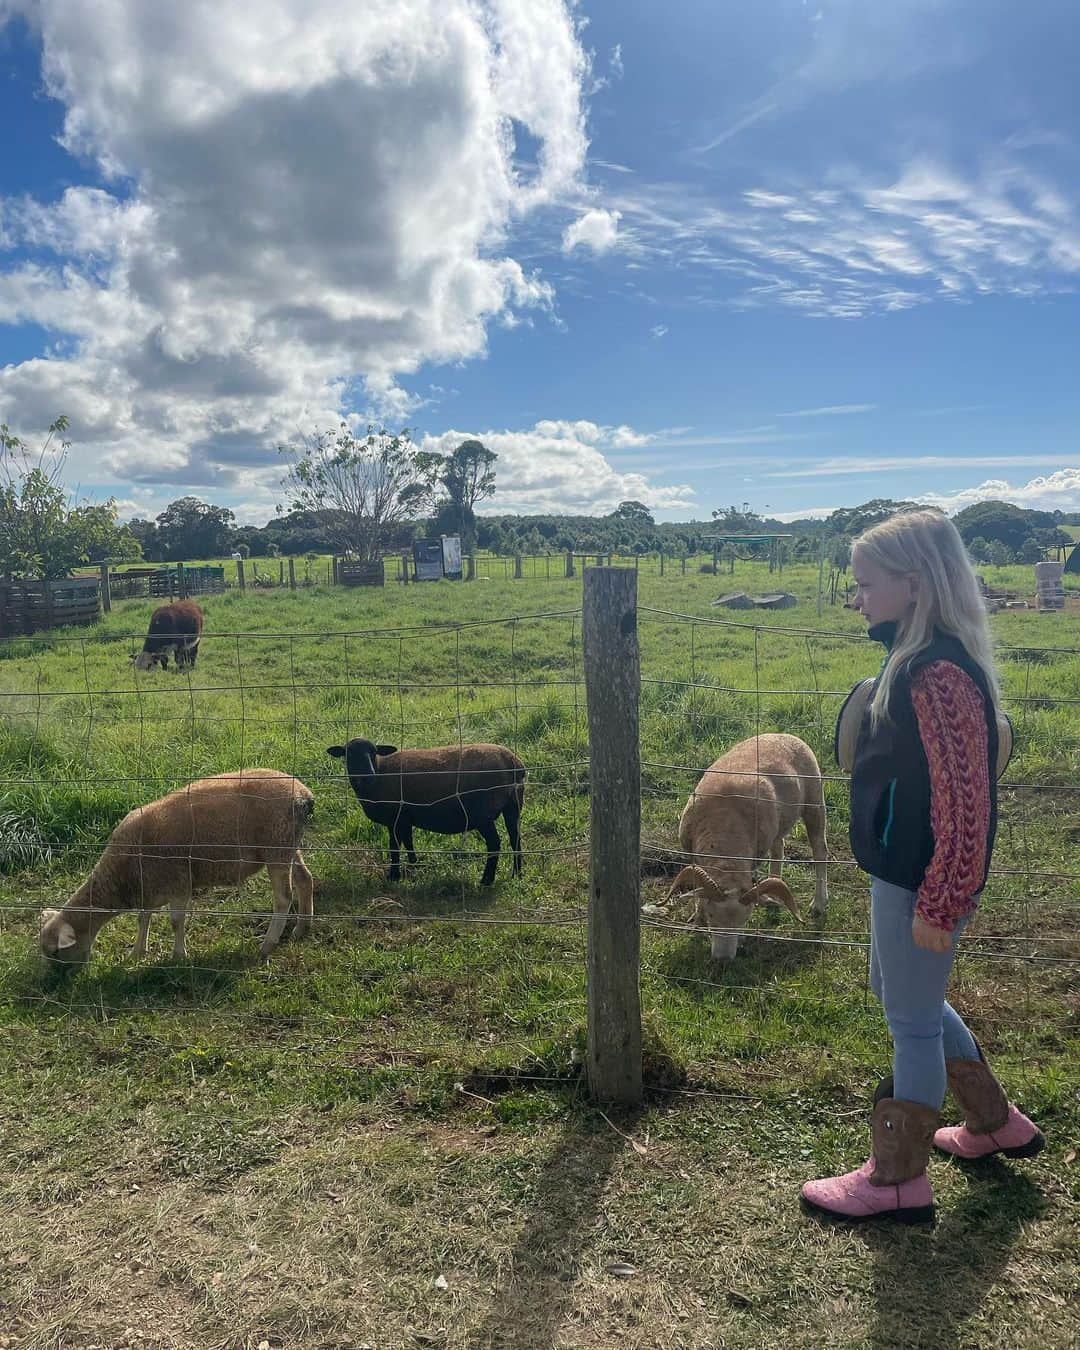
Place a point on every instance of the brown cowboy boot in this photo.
(892, 1183)
(993, 1124)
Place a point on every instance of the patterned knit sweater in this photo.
(952, 726)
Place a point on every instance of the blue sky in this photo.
(793, 254)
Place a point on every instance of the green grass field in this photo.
(380, 1137)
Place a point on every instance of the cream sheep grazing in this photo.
(214, 832)
(745, 805)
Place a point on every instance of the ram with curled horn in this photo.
(745, 805)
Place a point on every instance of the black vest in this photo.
(890, 831)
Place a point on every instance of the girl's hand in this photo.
(928, 937)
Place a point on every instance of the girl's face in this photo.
(882, 597)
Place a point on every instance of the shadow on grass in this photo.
(424, 892)
(757, 962)
(36, 989)
(538, 1286)
(926, 1286)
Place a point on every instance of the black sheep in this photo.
(448, 789)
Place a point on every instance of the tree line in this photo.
(376, 492)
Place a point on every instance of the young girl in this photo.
(923, 817)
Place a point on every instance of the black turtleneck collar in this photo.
(885, 633)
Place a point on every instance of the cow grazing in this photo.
(173, 628)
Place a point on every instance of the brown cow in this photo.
(173, 628)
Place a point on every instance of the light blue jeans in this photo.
(909, 982)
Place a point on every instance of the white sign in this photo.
(451, 555)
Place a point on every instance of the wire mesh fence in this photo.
(86, 738)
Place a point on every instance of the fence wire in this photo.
(86, 738)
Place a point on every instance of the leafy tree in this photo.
(634, 512)
(190, 528)
(978, 549)
(42, 533)
(1001, 521)
(738, 519)
(366, 487)
(999, 554)
(467, 476)
(145, 532)
(852, 520)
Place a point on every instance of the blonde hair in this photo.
(926, 543)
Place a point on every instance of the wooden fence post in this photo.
(405, 568)
(181, 581)
(569, 563)
(661, 562)
(517, 566)
(470, 567)
(292, 575)
(106, 593)
(240, 574)
(612, 667)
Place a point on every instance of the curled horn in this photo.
(772, 888)
(692, 878)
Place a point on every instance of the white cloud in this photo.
(560, 466)
(303, 194)
(659, 330)
(597, 230)
(1059, 491)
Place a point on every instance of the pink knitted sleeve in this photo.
(952, 725)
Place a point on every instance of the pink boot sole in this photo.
(1019, 1137)
(852, 1198)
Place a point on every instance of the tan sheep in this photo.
(746, 803)
(214, 832)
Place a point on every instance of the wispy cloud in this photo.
(849, 42)
(862, 245)
(658, 330)
(807, 513)
(839, 467)
(832, 410)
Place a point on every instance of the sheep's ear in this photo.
(65, 937)
(65, 934)
(772, 888)
(336, 751)
(386, 749)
